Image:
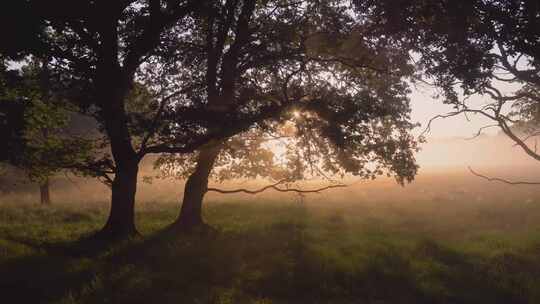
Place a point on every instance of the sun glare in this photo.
(296, 114)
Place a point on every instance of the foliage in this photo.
(484, 48)
(310, 71)
(41, 143)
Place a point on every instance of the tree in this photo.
(252, 68)
(35, 128)
(486, 48)
(97, 48)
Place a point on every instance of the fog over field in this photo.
(443, 174)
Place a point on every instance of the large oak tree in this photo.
(97, 48)
(252, 67)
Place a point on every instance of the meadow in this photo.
(444, 239)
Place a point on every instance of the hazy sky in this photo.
(449, 144)
(424, 107)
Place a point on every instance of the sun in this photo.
(296, 114)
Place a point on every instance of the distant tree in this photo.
(314, 72)
(35, 127)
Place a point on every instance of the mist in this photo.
(444, 174)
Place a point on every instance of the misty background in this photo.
(452, 146)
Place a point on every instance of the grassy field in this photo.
(431, 251)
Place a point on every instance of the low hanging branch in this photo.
(496, 179)
(276, 188)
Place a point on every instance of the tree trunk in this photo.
(121, 221)
(196, 186)
(44, 192)
(113, 84)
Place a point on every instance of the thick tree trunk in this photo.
(44, 192)
(196, 186)
(121, 221)
(113, 84)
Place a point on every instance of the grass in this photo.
(267, 252)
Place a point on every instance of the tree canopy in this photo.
(485, 48)
(207, 84)
(250, 69)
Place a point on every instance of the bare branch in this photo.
(477, 134)
(465, 110)
(276, 188)
(428, 127)
(532, 135)
(154, 124)
(506, 129)
(496, 179)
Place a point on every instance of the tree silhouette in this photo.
(97, 48)
(485, 48)
(252, 68)
(179, 77)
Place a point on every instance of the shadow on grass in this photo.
(49, 270)
(286, 261)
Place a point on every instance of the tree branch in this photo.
(154, 124)
(238, 126)
(496, 179)
(428, 126)
(530, 76)
(158, 21)
(276, 188)
(506, 130)
(480, 131)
